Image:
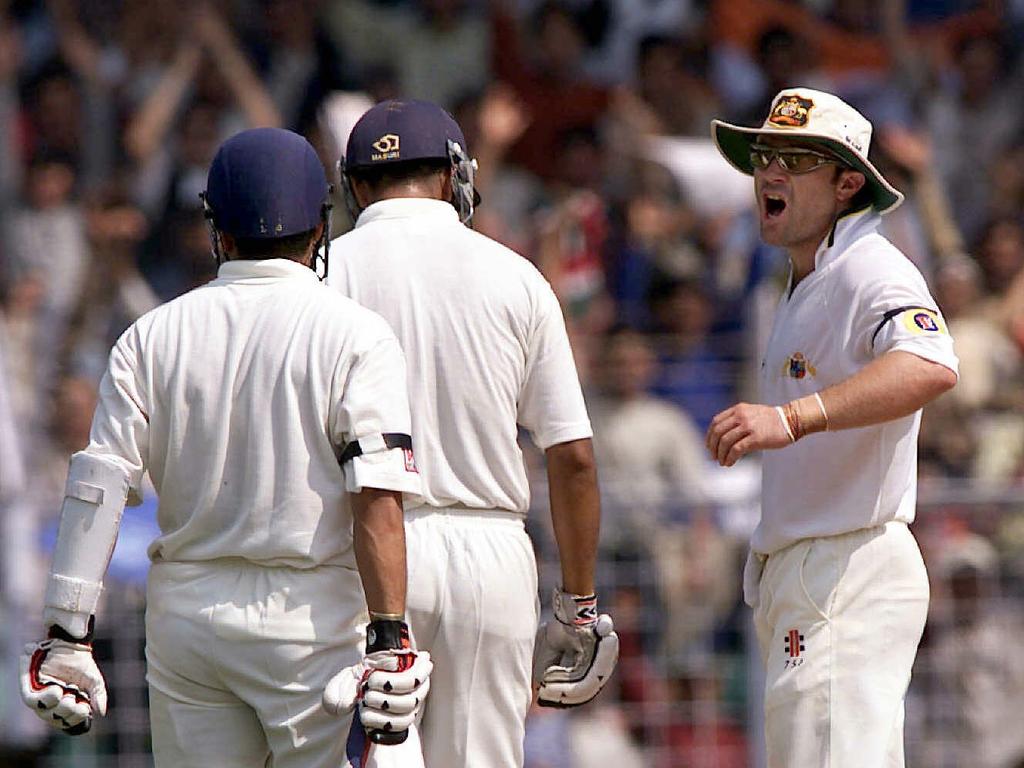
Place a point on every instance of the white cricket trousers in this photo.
(237, 659)
(472, 602)
(838, 621)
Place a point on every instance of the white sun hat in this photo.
(820, 117)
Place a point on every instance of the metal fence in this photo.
(687, 691)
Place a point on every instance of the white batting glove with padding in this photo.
(61, 683)
(388, 685)
(574, 655)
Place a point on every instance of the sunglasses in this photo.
(791, 159)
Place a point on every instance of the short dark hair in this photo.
(397, 173)
(287, 247)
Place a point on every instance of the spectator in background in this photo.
(948, 442)
(438, 49)
(47, 253)
(977, 430)
(658, 478)
(1006, 183)
(694, 373)
(114, 292)
(613, 30)
(972, 114)
(978, 660)
(1000, 253)
(22, 294)
(69, 416)
(925, 229)
(990, 363)
(302, 64)
(666, 82)
(779, 56)
(546, 73)
(492, 122)
(572, 236)
(209, 92)
(656, 238)
(50, 222)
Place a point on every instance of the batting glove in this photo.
(388, 685)
(574, 655)
(61, 683)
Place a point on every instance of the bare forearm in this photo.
(247, 88)
(575, 512)
(252, 97)
(150, 124)
(378, 536)
(890, 387)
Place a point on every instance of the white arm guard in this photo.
(94, 499)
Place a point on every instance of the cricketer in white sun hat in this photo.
(818, 116)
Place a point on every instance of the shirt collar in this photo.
(845, 232)
(265, 269)
(406, 208)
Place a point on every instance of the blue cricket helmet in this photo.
(266, 183)
(407, 130)
(401, 130)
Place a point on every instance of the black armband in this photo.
(392, 440)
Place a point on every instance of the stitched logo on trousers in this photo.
(794, 645)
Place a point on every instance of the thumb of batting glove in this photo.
(61, 683)
(575, 654)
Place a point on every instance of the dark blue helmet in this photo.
(266, 183)
(404, 130)
(399, 131)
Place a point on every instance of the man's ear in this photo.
(227, 245)
(447, 190)
(362, 192)
(849, 184)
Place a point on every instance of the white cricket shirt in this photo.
(239, 398)
(863, 299)
(484, 341)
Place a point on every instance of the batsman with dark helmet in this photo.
(273, 420)
(487, 350)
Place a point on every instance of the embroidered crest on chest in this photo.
(798, 366)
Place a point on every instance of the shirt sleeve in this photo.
(899, 314)
(120, 424)
(372, 425)
(551, 402)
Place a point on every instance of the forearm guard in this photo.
(94, 500)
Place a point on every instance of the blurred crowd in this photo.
(590, 122)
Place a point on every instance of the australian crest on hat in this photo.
(817, 116)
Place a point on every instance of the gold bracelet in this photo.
(796, 424)
(821, 405)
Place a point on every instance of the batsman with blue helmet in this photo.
(488, 351)
(272, 417)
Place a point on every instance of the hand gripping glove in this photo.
(389, 684)
(61, 683)
(575, 654)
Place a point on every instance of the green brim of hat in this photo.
(734, 141)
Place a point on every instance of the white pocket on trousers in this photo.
(752, 572)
